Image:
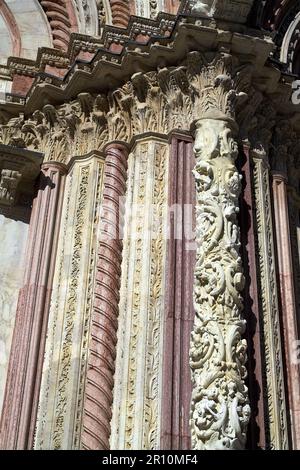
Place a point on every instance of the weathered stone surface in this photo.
(13, 235)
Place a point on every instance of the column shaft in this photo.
(104, 322)
(219, 408)
(257, 430)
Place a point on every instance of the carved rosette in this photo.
(219, 410)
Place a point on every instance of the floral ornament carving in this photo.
(220, 408)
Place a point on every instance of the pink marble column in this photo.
(27, 350)
(285, 267)
(99, 386)
(179, 311)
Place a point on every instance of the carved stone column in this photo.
(287, 291)
(220, 410)
(24, 372)
(99, 384)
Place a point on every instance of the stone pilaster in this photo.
(274, 389)
(179, 311)
(280, 159)
(24, 372)
(62, 389)
(138, 379)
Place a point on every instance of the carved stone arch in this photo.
(283, 18)
(289, 53)
(13, 28)
(122, 9)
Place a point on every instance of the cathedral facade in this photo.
(150, 224)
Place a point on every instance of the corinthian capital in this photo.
(218, 87)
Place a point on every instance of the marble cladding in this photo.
(13, 235)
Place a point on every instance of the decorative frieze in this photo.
(74, 128)
(138, 392)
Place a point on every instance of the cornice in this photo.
(108, 70)
(99, 64)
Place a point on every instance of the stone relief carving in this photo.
(220, 409)
(61, 398)
(136, 408)
(160, 101)
(231, 11)
(9, 180)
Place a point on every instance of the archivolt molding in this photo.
(111, 59)
(273, 373)
(61, 20)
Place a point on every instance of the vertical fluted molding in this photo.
(274, 390)
(99, 386)
(254, 332)
(288, 303)
(27, 350)
(179, 311)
